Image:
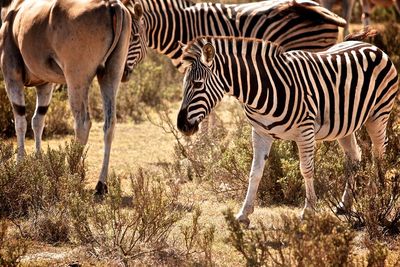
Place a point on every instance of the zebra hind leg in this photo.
(352, 160)
(376, 129)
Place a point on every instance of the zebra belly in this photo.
(330, 131)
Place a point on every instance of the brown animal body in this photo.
(71, 42)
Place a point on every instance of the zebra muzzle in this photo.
(184, 125)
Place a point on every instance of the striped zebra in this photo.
(294, 25)
(296, 95)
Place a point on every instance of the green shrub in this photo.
(58, 119)
(50, 225)
(224, 160)
(11, 249)
(38, 183)
(308, 242)
(123, 227)
(198, 239)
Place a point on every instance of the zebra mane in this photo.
(192, 51)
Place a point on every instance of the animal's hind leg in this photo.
(43, 97)
(15, 92)
(108, 88)
(377, 132)
(353, 157)
(376, 129)
(78, 100)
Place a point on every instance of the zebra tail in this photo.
(361, 35)
(315, 12)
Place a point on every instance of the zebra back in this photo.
(294, 25)
(335, 91)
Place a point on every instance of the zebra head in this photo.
(202, 89)
(138, 40)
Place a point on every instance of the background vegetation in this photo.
(178, 211)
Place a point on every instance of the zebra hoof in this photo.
(101, 189)
(340, 209)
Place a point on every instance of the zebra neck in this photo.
(252, 71)
(163, 23)
(169, 22)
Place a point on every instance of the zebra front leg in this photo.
(306, 154)
(15, 92)
(353, 158)
(261, 148)
(43, 98)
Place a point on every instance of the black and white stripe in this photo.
(137, 49)
(295, 95)
(294, 25)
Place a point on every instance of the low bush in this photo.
(319, 239)
(58, 119)
(11, 249)
(198, 239)
(223, 161)
(127, 228)
(309, 242)
(39, 182)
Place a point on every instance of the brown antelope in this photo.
(69, 42)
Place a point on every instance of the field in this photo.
(172, 199)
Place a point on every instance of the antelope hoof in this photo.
(307, 212)
(101, 189)
(243, 220)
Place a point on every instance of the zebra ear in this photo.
(181, 45)
(137, 11)
(208, 53)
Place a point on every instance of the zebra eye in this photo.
(197, 85)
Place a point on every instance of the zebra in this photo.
(294, 25)
(296, 95)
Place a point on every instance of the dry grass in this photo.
(146, 145)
